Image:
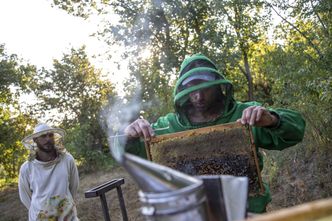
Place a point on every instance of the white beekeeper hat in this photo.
(39, 130)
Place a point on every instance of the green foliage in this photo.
(301, 69)
(79, 8)
(74, 88)
(13, 75)
(75, 92)
(157, 35)
(12, 152)
(78, 142)
(14, 81)
(169, 30)
(234, 34)
(155, 91)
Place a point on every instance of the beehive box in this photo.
(226, 149)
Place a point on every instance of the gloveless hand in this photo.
(258, 116)
(139, 128)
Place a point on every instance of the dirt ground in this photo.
(292, 185)
(89, 209)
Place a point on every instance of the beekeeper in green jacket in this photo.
(204, 97)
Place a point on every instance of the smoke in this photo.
(120, 112)
(116, 116)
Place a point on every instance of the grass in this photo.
(298, 174)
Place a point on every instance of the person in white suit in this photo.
(48, 180)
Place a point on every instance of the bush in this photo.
(80, 142)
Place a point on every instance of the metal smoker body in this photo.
(167, 194)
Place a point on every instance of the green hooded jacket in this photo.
(288, 132)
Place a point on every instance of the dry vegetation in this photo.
(89, 209)
(295, 175)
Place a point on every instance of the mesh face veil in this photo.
(199, 67)
(42, 129)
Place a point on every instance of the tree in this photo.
(14, 127)
(74, 93)
(226, 31)
(301, 66)
(15, 77)
(247, 23)
(15, 80)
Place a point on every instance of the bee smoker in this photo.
(167, 194)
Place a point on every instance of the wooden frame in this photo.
(318, 210)
(226, 149)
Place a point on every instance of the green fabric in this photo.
(258, 204)
(289, 131)
(192, 58)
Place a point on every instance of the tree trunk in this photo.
(247, 73)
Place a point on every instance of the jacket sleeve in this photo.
(24, 186)
(289, 131)
(136, 147)
(73, 178)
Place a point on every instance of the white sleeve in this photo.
(24, 186)
(73, 178)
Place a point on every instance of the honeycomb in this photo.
(219, 150)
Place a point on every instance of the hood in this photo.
(198, 64)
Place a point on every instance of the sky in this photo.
(39, 33)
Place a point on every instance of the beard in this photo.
(47, 147)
